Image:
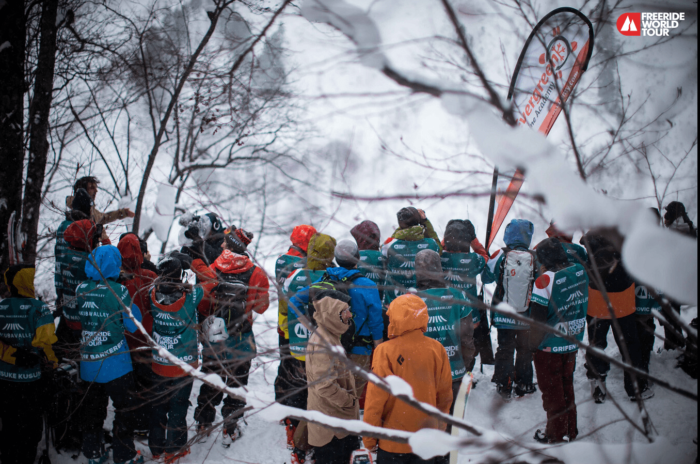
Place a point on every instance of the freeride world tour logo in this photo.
(648, 24)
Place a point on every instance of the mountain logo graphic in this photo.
(13, 326)
(90, 305)
(436, 319)
(630, 24)
(573, 296)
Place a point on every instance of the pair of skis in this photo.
(14, 239)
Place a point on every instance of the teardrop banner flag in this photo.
(551, 64)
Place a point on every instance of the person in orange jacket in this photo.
(419, 360)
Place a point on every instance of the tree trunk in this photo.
(12, 50)
(39, 110)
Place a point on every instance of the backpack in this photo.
(231, 295)
(350, 338)
(517, 277)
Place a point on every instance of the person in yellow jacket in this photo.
(27, 332)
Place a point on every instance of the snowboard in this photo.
(460, 410)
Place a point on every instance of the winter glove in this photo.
(192, 232)
(193, 251)
(184, 258)
(215, 329)
(25, 358)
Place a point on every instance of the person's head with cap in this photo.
(429, 270)
(347, 254)
(551, 254)
(408, 217)
(170, 271)
(407, 313)
(82, 203)
(675, 210)
(332, 311)
(237, 240)
(519, 233)
(367, 235)
(320, 252)
(19, 278)
(459, 234)
(301, 235)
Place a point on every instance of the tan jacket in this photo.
(331, 385)
(98, 216)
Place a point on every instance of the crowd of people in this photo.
(409, 306)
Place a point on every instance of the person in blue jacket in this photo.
(365, 305)
(104, 357)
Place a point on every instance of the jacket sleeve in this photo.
(298, 301)
(374, 312)
(7, 353)
(128, 323)
(376, 398)
(538, 313)
(207, 281)
(479, 249)
(258, 291)
(327, 385)
(105, 218)
(466, 331)
(444, 386)
(430, 233)
(44, 337)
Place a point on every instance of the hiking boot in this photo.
(172, 458)
(505, 391)
(524, 389)
(231, 433)
(598, 390)
(203, 432)
(138, 459)
(290, 429)
(298, 456)
(645, 394)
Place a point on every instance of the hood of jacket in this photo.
(132, 256)
(105, 258)
(411, 234)
(367, 235)
(79, 234)
(320, 252)
(229, 262)
(553, 232)
(519, 233)
(327, 315)
(20, 280)
(340, 273)
(459, 234)
(301, 235)
(406, 314)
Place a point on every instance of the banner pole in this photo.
(492, 204)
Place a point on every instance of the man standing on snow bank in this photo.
(105, 360)
(559, 299)
(331, 384)
(26, 335)
(89, 183)
(420, 361)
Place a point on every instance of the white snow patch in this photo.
(164, 211)
(399, 386)
(5, 44)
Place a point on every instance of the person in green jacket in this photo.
(26, 335)
(415, 233)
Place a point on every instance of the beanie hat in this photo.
(551, 253)
(320, 252)
(346, 254)
(408, 217)
(458, 235)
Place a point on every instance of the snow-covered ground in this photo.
(604, 435)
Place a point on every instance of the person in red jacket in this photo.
(139, 282)
(229, 344)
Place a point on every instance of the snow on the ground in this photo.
(673, 416)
